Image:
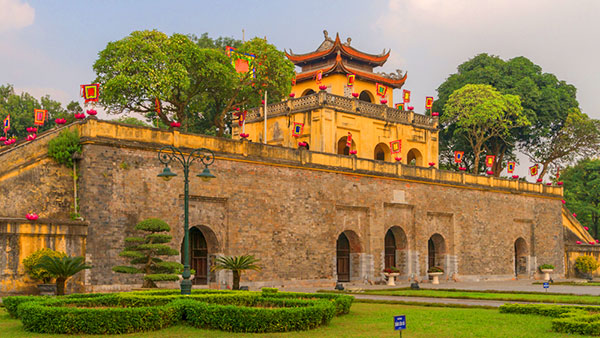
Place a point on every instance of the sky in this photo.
(49, 47)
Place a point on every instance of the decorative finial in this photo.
(326, 34)
(348, 41)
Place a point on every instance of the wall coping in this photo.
(43, 221)
(98, 131)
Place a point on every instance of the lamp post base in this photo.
(186, 287)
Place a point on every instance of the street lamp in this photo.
(170, 154)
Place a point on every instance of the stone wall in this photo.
(290, 215)
(288, 207)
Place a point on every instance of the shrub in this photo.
(62, 268)
(569, 319)
(546, 267)
(237, 265)
(142, 311)
(36, 272)
(269, 290)
(392, 269)
(62, 147)
(586, 264)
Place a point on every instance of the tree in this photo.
(145, 251)
(21, 110)
(237, 265)
(546, 102)
(189, 82)
(582, 192)
(204, 41)
(62, 268)
(579, 137)
(479, 113)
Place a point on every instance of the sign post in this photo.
(400, 323)
(546, 286)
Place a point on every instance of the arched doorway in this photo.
(348, 257)
(204, 248)
(342, 146)
(198, 256)
(395, 252)
(414, 157)
(343, 258)
(436, 252)
(521, 254)
(390, 250)
(382, 152)
(307, 92)
(366, 96)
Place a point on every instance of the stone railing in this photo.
(341, 103)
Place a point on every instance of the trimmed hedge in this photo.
(569, 319)
(144, 311)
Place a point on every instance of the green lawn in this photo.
(368, 320)
(572, 283)
(531, 296)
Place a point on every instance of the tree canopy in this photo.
(479, 113)
(20, 108)
(192, 79)
(582, 192)
(545, 99)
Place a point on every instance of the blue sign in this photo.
(546, 285)
(400, 322)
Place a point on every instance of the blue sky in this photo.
(50, 46)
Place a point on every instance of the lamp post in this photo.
(170, 154)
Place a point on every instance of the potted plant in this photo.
(62, 268)
(435, 272)
(585, 265)
(547, 269)
(237, 265)
(391, 273)
(38, 273)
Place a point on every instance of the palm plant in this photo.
(62, 268)
(237, 264)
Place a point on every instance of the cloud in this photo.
(15, 15)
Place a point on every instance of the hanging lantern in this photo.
(355, 95)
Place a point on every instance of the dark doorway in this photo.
(198, 256)
(390, 249)
(308, 92)
(343, 148)
(431, 253)
(343, 258)
(520, 257)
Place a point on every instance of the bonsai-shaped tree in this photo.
(39, 273)
(237, 264)
(62, 268)
(145, 252)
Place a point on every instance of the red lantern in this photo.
(242, 135)
(462, 169)
(579, 242)
(574, 215)
(559, 183)
(2, 138)
(489, 172)
(564, 202)
(539, 180)
(383, 101)
(431, 164)
(435, 114)
(411, 108)
(355, 94)
(515, 176)
(322, 87)
(92, 112)
(175, 124)
(32, 216)
(398, 159)
(586, 228)
(353, 152)
(292, 95)
(548, 183)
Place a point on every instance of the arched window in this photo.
(414, 157)
(307, 92)
(382, 152)
(342, 146)
(366, 96)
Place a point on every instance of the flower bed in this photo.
(145, 311)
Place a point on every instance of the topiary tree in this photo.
(62, 268)
(237, 264)
(586, 264)
(37, 272)
(145, 252)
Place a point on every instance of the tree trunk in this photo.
(236, 280)
(148, 284)
(476, 163)
(60, 286)
(544, 170)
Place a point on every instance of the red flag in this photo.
(349, 140)
(489, 160)
(428, 102)
(405, 96)
(458, 156)
(395, 146)
(510, 168)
